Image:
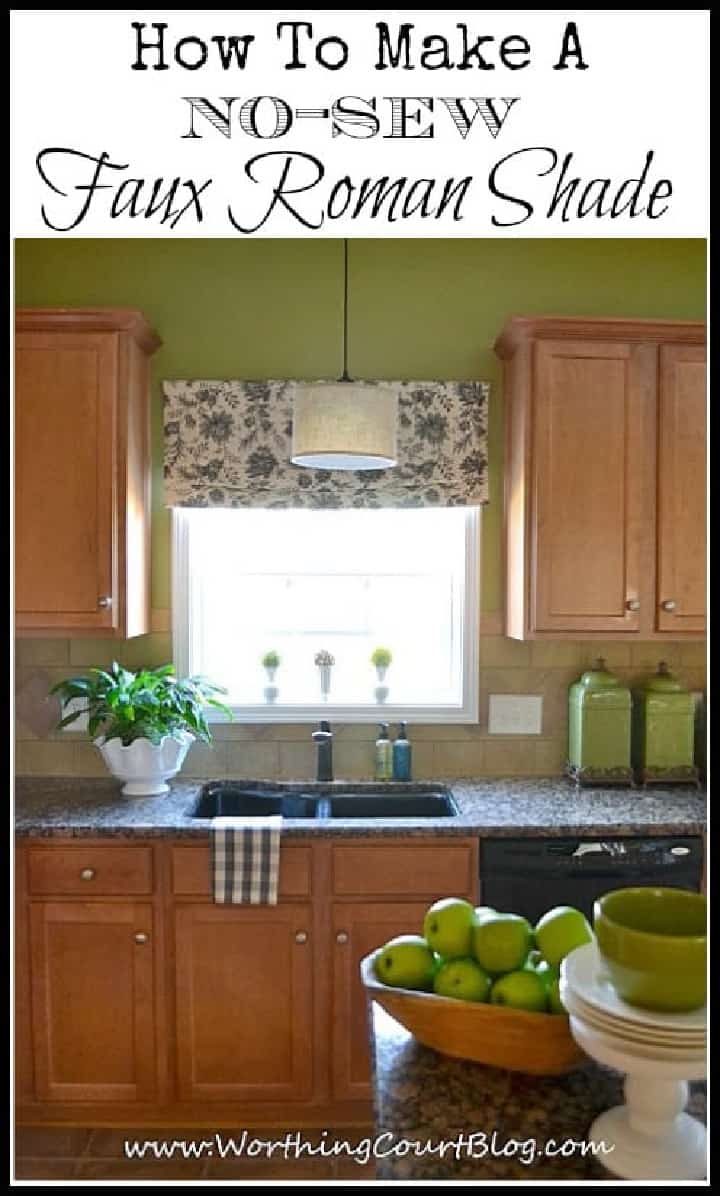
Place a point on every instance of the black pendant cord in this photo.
(345, 375)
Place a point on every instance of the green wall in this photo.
(418, 309)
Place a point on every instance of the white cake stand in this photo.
(651, 1136)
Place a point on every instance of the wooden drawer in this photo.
(89, 871)
(191, 872)
(387, 870)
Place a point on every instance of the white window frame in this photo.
(467, 712)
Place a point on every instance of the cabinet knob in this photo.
(633, 604)
(342, 937)
(141, 937)
(301, 936)
(669, 604)
(104, 601)
(87, 874)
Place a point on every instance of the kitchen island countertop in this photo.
(68, 807)
(426, 1098)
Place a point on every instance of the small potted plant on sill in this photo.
(271, 663)
(324, 661)
(147, 720)
(381, 659)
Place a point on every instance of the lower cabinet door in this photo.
(93, 1001)
(244, 1002)
(358, 930)
(23, 1055)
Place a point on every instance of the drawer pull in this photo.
(301, 936)
(87, 874)
(104, 601)
(342, 937)
(633, 604)
(141, 937)
(669, 604)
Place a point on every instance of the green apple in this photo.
(463, 979)
(500, 942)
(560, 931)
(551, 977)
(406, 962)
(520, 990)
(448, 927)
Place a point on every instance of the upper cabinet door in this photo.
(681, 491)
(82, 471)
(65, 473)
(592, 413)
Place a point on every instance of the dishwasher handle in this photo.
(578, 856)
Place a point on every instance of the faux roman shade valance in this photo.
(228, 444)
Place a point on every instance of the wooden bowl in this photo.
(536, 1043)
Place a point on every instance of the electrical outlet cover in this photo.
(515, 714)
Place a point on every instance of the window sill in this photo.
(386, 713)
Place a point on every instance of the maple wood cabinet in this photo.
(136, 993)
(681, 491)
(82, 472)
(604, 478)
(381, 888)
(358, 929)
(244, 987)
(93, 1007)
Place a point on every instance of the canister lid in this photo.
(598, 677)
(664, 682)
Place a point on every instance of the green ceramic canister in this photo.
(664, 728)
(600, 714)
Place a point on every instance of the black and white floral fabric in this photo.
(227, 444)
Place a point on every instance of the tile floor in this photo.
(98, 1154)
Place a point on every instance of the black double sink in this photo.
(228, 799)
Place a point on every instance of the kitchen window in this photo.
(344, 582)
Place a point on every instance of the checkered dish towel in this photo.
(245, 860)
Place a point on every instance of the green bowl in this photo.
(653, 942)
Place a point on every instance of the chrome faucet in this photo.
(323, 738)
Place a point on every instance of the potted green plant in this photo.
(271, 663)
(381, 658)
(147, 720)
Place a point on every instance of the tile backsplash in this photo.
(284, 751)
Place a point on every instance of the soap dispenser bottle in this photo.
(383, 755)
(402, 755)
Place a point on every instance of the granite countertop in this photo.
(499, 807)
(429, 1098)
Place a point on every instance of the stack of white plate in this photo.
(587, 993)
(651, 1137)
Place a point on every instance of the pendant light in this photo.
(344, 425)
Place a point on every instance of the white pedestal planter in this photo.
(325, 671)
(144, 766)
(270, 693)
(381, 690)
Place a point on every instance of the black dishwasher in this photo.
(529, 876)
